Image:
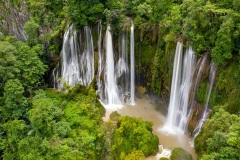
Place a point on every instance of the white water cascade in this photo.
(116, 84)
(100, 64)
(115, 77)
(111, 90)
(178, 112)
(187, 75)
(122, 69)
(132, 88)
(174, 97)
(77, 59)
(201, 64)
(55, 76)
(198, 73)
(197, 130)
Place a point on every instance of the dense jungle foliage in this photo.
(38, 123)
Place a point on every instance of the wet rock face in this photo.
(13, 16)
(196, 116)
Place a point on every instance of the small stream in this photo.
(146, 110)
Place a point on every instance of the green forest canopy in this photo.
(32, 119)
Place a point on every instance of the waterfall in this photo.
(55, 75)
(111, 90)
(174, 96)
(115, 77)
(188, 68)
(178, 112)
(123, 61)
(70, 74)
(117, 85)
(202, 63)
(100, 68)
(132, 88)
(199, 69)
(122, 69)
(77, 59)
(86, 58)
(213, 70)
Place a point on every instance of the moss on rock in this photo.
(114, 116)
(180, 154)
(163, 158)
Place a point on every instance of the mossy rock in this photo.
(102, 110)
(196, 117)
(141, 91)
(114, 116)
(163, 158)
(202, 92)
(180, 154)
(135, 155)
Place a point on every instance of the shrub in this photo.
(180, 154)
(133, 133)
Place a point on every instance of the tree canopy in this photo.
(46, 124)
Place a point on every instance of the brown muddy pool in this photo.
(144, 109)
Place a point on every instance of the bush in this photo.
(135, 155)
(180, 154)
(163, 158)
(131, 134)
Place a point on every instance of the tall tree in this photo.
(8, 68)
(15, 103)
(30, 65)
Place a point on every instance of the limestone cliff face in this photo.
(13, 16)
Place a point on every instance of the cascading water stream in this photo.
(124, 55)
(199, 69)
(197, 130)
(86, 64)
(111, 90)
(122, 69)
(70, 74)
(77, 59)
(117, 86)
(170, 124)
(188, 68)
(100, 68)
(116, 83)
(55, 75)
(202, 64)
(178, 112)
(132, 88)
